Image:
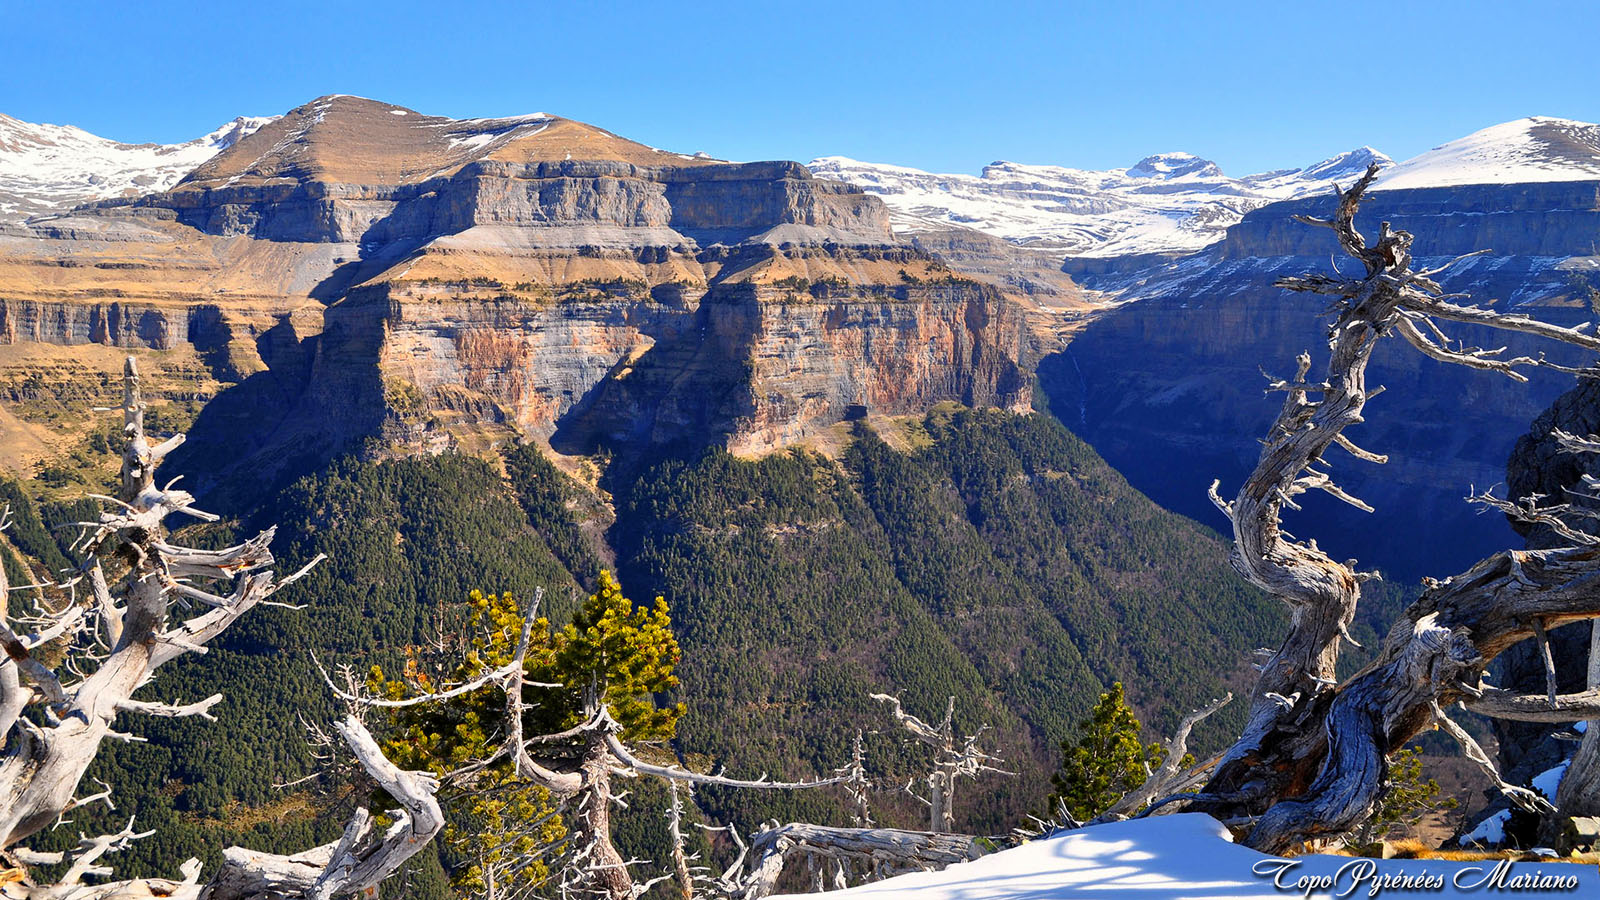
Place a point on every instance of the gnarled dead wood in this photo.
(1312, 759)
(114, 639)
(878, 852)
(1171, 776)
(954, 759)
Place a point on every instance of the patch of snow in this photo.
(1188, 856)
(1549, 780)
(51, 168)
(397, 112)
(480, 133)
(522, 119)
(1490, 832)
(472, 142)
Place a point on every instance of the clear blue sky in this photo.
(933, 84)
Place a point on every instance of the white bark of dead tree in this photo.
(1312, 759)
(872, 853)
(953, 759)
(577, 767)
(1579, 791)
(1170, 777)
(115, 634)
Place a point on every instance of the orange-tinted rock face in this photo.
(488, 280)
(750, 368)
(812, 362)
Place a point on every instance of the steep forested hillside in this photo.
(1001, 562)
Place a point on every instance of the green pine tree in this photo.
(1409, 799)
(610, 650)
(1107, 760)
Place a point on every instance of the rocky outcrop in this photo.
(563, 204)
(116, 324)
(752, 367)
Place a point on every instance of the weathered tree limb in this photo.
(892, 850)
(1170, 776)
(1501, 704)
(953, 759)
(121, 637)
(628, 764)
(1312, 759)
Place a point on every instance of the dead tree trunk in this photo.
(114, 634)
(1312, 759)
(1579, 793)
(608, 870)
(952, 759)
(591, 864)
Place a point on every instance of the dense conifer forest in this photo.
(1000, 562)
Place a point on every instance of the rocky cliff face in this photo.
(1169, 388)
(1558, 219)
(1538, 465)
(754, 366)
(480, 281)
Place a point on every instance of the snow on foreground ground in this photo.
(1190, 855)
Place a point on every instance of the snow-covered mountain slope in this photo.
(1170, 202)
(1176, 202)
(52, 168)
(1190, 855)
(1531, 150)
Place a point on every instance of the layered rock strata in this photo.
(369, 271)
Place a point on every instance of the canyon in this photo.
(362, 271)
(1166, 379)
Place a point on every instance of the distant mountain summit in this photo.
(1174, 165)
(1176, 203)
(1532, 150)
(354, 140)
(1164, 203)
(48, 169)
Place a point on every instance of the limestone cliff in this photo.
(366, 271)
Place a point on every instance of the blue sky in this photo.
(937, 85)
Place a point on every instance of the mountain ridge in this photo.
(1177, 203)
(47, 169)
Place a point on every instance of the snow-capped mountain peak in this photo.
(235, 131)
(52, 168)
(1346, 166)
(1174, 165)
(1179, 202)
(1534, 149)
(1166, 202)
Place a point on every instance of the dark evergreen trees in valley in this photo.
(74, 662)
(998, 561)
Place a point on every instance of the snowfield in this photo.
(52, 168)
(1180, 203)
(1169, 202)
(1190, 855)
(1528, 150)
